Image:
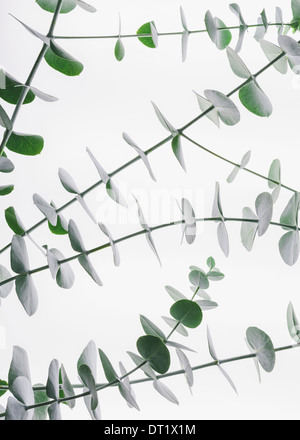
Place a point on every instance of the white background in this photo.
(93, 110)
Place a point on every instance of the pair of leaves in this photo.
(217, 212)
(111, 188)
(260, 221)
(250, 95)
(217, 106)
(78, 246)
(220, 37)
(150, 35)
(243, 26)
(289, 244)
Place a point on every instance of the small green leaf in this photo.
(109, 370)
(27, 293)
(249, 229)
(225, 107)
(59, 229)
(264, 348)
(264, 211)
(223, 36)
(211, 263)
(150, 328)
(119, 50)
(174, 293)
(275, 174)
(272, 52)
(6, 189)
(296, 8)
(177, 150)
(255, 100)
(66, 388)
(12, 91)
(154, 351)
(61, 61)
(146, 29)
(187, 313)
(50, 5)
(40, 396)
(289, 216)
(26, 144)
(289, 247)
(14, 221)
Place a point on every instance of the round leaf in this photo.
(263, 346)
(154, 351)
(187, 313)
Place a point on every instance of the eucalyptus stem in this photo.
(160, 144)
(142, 232)
(30, 78)
(160, 34)
(100, 387)
(237, 164)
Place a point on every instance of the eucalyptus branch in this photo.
(144, 232)
(160, 34)
(163, 142)
(30, 78)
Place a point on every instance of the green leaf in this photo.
(67, 181)
(50, 5)
(85, 262)
(150, 328)
(14, 221)
(296, 8)
(3, 383)
(89, 381)
(12, 91)
(211, 26)
(177, 150)
(293, 323)
(18, 255)
(223, 37)
(66, 388)
(19, 365)
(199, 279)
(225, 107)
(45, 208)
(249, 229)
(26, 144)
(264, 19)
(146, 29)
(263, 346)
(119, 50)
(60, 228)
(255, 100)
(215, 275)
(275, 174)
(289, 247)
(211, 263)
(65, 276)
(272, 52)
(164, 391)
(204, 105)
(27, 293)
(264, 211)
(109, 370)
(187, 313)
(145, 368)
(61, 61)
(52, 387)
(154, 351)
(40, 396)
(237, 64)
(289, 216)
(6, 189)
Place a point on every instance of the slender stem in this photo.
(237, 165)
(147, 35)
(30, 78)
(138, 233)
(155, 147)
